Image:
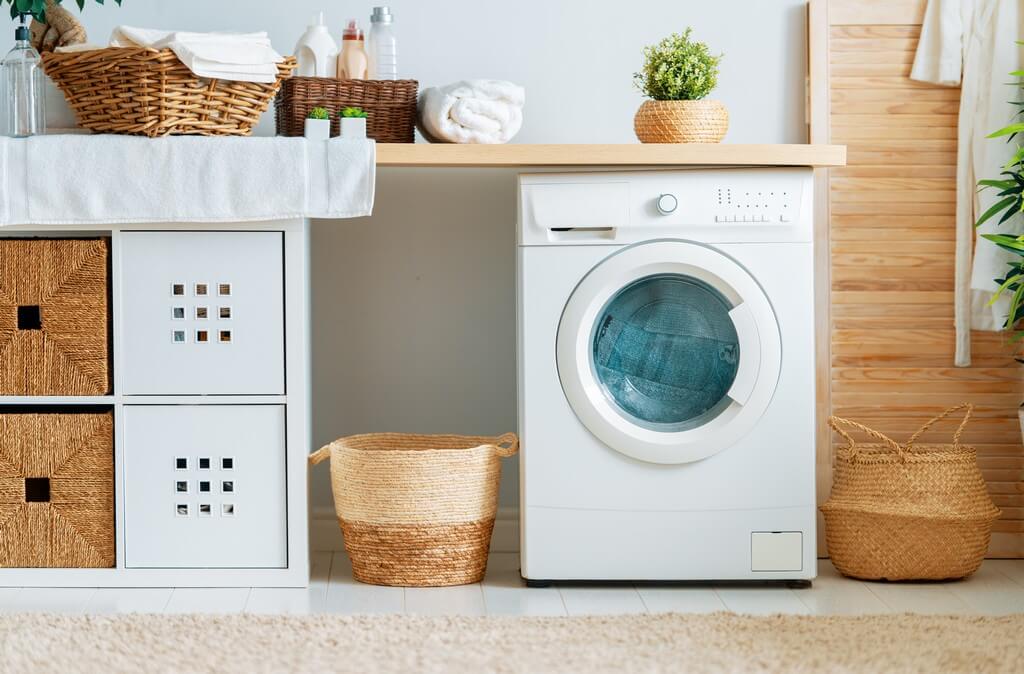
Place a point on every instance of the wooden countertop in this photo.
(622, 155)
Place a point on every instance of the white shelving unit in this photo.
(242, 396)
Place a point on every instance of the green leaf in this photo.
(1006, 286)
(1007, 130)
(993, 209)
(1001, 184)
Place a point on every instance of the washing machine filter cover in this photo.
(666, 352)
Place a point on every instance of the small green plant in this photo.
(353, 112)
(319, 113)
(678, 69)
(37, 8)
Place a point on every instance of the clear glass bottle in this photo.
(21, 84)
(382, 46)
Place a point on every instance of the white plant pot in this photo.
(318, 129)
(353, 127)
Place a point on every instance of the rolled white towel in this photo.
(472, 111)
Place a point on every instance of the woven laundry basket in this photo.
(54, 317)
(150, 92)
(417, 510)
(907, 512)
(703, 121)
(57, 489)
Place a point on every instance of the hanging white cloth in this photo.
(972, 43)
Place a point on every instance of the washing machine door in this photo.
(669, 351)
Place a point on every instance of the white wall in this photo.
(414, 308)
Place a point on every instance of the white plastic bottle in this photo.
(316, 51)
(382, 49)
(21, 75)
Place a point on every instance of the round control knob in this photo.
(667, 203)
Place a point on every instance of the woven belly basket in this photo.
(907, 512)
(417, 510)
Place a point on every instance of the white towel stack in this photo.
(473, 111)
(246, 57)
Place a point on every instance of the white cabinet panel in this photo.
(202, 313)
(205, 486)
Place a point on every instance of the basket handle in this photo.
(836, 423)
(321, 454)
(499, 444)
(959, 430)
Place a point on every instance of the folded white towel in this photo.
(247, 57)
(108, 179)
(473, 111)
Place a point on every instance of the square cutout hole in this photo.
(29, 317)
(227, 463)
(181, 463)
(202, 289)
(178, 289)
(224, 312)
(227, 487)
(181, 510)
(223, 289)
(178, 313)
(204, 463)
(205, 510)
(227, 509)
(202, 313)
(204, 486)
(202, 336)
(225, 336)
(178, 336)
(37, 490)
(181, 486)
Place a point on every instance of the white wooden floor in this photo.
(998, 588)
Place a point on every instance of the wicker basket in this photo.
(57, 489)
(54, 332)
(907, 512)
(150, 92)
(417, 510)
(391, 105)
(700, 121)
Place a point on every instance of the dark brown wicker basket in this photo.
(391, 105)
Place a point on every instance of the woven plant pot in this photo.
(57, 489)
(150, 92)
(417, 510)
(700, 121)
(910, 511)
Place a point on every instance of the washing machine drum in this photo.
(668, 351)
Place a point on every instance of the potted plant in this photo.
(318, 124)
(1010, 203)
(677, 75)
(353, 122)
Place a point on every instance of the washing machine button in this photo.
(667, 203)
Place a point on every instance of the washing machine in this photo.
(666, 375)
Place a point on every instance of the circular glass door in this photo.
(665, 352)
(668, 351)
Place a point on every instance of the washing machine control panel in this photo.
(746, 203)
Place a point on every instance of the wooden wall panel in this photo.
(890, 225)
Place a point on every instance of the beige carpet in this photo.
(39, 643)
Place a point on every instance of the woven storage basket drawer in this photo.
(391, 105)
(54, 334)
(150, 92)
(417, 510)
(57, 489)
(907, 512)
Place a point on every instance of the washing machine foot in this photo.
(798, 584)
(530, 582)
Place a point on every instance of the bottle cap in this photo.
(318, 21)
(352, 31)
(381, 15)
(21, 32)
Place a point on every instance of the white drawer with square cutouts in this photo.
(202, 313)
(204, 486)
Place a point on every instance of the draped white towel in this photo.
(972, 43)
(472, 111)
(246, 57)
(110, 179)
